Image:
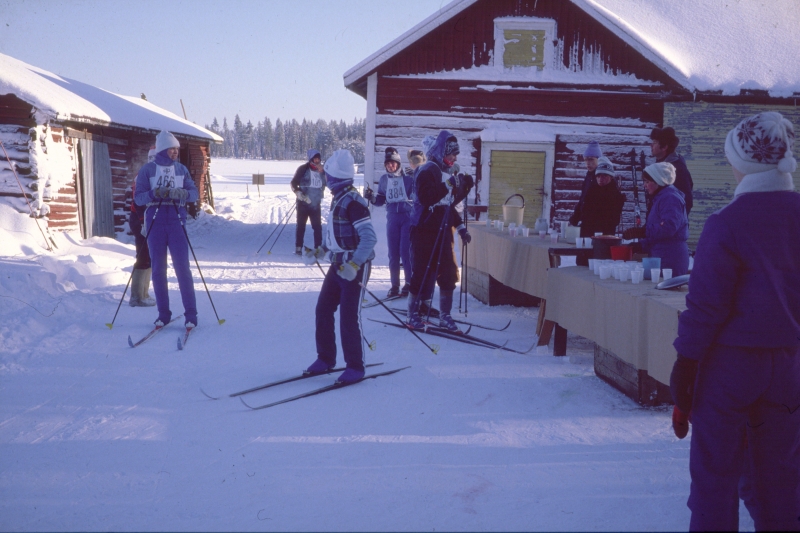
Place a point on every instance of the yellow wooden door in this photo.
(517, 173)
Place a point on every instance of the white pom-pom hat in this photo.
(662, 173)
(341, 165)
(760, 143)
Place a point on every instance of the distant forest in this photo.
(289, 139)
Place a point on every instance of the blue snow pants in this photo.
(337, 292)
(167, 234)
(746, 439)
(305, 212)
(398, 236)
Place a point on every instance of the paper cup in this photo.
(526, 232)
(667, 273)
(554, 238)
(636, 276)
(655, 273)
(605, 271)
(624, 274)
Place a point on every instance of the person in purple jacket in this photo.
(667, 228)
(165, 186)
(738, 365)
(395, 190)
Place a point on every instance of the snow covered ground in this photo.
(95, 435)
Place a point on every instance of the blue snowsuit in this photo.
(349, 236)
(667, 230)
(742, 324)
(162, 224)
(396, 191)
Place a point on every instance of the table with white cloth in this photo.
(632, 325)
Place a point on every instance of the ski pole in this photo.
(444, 227)
(464, 292)
(439, 236)
(434, 349)
(220, 321)
(289, 214)
(110, 325)
(286, 223)
(372, 344)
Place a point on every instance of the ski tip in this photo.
(221, 321)
(130, 341)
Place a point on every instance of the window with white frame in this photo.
(524, 42)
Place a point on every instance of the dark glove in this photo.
(466, 238)
(634, 233)
(681, 383)
(466, 182)
(161, 192)
(453, 182)
(178, 194)
(369, 195)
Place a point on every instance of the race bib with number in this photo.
(395, 190)
(165, 177)
(316, 180)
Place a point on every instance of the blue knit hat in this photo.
(593, 150)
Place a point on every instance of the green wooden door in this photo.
(517, 173)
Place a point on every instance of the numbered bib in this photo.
(395, 190)
(316, 180)
(166, 177)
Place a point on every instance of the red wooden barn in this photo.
(76, 149)
(526, 84)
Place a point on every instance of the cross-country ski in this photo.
(150, 334)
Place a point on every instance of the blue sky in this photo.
(276, 58)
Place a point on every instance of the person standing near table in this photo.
(590, 157)
(667, 228)
(432, 238)
(395, 190)
(738, 366)
(663, 143)
(308, 184)
(602, 207)
(165, 187)
(140, 280)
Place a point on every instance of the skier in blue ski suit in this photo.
(436, 193)
(349, 242)
(738, 365)
(165, 187)
(395, 190)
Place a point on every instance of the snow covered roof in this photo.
(59, 98)
(704, 45)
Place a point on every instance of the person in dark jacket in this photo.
(667, 228)
(395, 190)
(349, 241)
(663, 143)
(140, 279)
(165, 187)
(432, 240)
(603, 204)
(738, 365)
(590, 156)
(308, 184)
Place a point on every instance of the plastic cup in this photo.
(605, 271)
(591, 264)
(542, 234)
(554, 238)
(636, 276)
(667, 273)
(624, 274)
(512, 232)
(655, 273)
(488, 222)
(587, 242)
(649, 263)
(526, 232)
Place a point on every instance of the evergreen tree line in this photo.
(289, 139)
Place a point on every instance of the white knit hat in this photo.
(166, 140)
(760, 143)
(151, 154)
(341, 165)
(604, 166)
(662, 173)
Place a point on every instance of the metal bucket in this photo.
(512, 214)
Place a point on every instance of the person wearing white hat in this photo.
(602, 207)
(738, 367)
(140, 279)
(667, 228)
(165, 186)
(349, 243)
